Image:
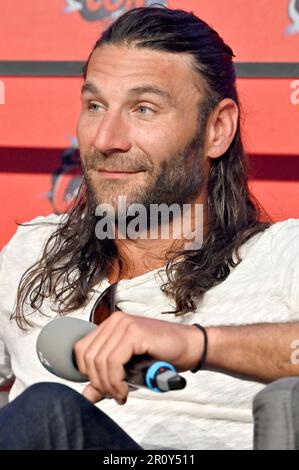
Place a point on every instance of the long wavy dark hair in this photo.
(74, 260)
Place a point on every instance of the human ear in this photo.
(221, 128)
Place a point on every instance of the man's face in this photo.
(138, 131)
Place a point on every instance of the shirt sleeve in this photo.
(19, 254)
(6, 374)
(285, 257)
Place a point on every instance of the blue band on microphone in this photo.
(152, 372)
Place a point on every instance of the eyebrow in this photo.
(136, 91)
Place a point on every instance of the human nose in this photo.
(112, 134)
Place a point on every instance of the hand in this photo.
(102, 354)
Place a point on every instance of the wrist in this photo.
(201, 362)
(198, 340)
(195, 345)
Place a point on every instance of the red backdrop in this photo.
(38, 117)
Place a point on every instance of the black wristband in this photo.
(202, 360)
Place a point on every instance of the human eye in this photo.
(145, 110)
(94, 106)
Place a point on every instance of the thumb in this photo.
(92, 394)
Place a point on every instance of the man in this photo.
(160, 123)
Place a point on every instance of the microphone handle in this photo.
(142, 371)
(158, 376)
(137, 371)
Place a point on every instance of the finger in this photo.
(129, 344)
(116, 375)
(100, 334)
(81, 346)
(98, 364)
(92, 394)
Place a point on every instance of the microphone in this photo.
(55, 351)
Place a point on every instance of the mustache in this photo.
(94, 160)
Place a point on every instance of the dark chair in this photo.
(276, 416)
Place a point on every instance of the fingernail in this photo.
(120, 400)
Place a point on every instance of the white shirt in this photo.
(214, 411)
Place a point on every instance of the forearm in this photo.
(261, 352)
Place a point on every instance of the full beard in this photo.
(178, 179)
